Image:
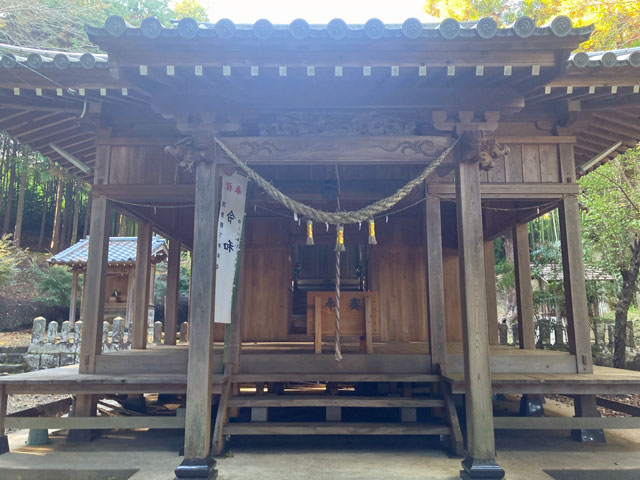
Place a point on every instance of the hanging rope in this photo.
(337, 326)
(336, 218)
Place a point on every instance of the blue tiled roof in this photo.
(121, 250)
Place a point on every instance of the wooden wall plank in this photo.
(513, 164)
(498, 173)
(530, 163)
(549, 166)
(453, 308)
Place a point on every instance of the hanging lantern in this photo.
(372, 232)
(340, 239)
(310, 232)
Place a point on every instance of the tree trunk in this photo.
(629, 278)
(43, 220)
(17, 232)
(10, 191)
(122, 226)
(57, 218)
(3, 167)
(76, 215)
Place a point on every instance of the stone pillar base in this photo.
(4, 444)
(588, 436)
(79, 436)
(474, 469)
(203, 468)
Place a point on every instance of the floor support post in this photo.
(585, 406)
(198, 462)
(480, 462)
(4, 440)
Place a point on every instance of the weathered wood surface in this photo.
(198, 413)
(435, 284)
(352, 320)
(97, 423)
(565, 423)
(334, 401)
(94, 285)
(524, 289)
(574, 285)
(141, 289)
(172, 293)
(335, 428)
(480, 438)
(490, 283)
(334, 377)
(506, 191)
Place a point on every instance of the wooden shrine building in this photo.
(120, 281)
(500, 122)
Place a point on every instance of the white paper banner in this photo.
(231, 218)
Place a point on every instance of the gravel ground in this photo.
(22, 402)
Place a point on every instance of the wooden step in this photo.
(335, 377)
(335, 428)
(334, 401)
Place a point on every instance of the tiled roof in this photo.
(612, 58)
(337, 29)
(121, 250)
(38, 59)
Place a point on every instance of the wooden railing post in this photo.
(524, 290)
(435, 284)
(139, 319)
(172, 294)
(481, 455)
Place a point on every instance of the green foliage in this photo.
(617, 22)
(192, 9)
(9, 259)
(54, 284)
(160, 289)
(610, 198)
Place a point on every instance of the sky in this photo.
(315, 11)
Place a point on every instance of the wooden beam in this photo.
(435, 284)
(139, 319)
(149, 193)
(95, 423)
(511, 191)
(537, 140)
(94, 285)
(479, 408)
(565, 423)
(368, 325)
(574, 285)
(198, 414)
(490, 283)
(172, 293)
(4, 400)
(524, 290)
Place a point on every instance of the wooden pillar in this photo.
(197, 442)
(490, 283)
(94, 285)
(481, 456)
(524, 290)
(574, 285)
(435, 285)
(130, 287)
(4, 440)
(92, 309)
(73, 297)
(173, 292)
(141, 288)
